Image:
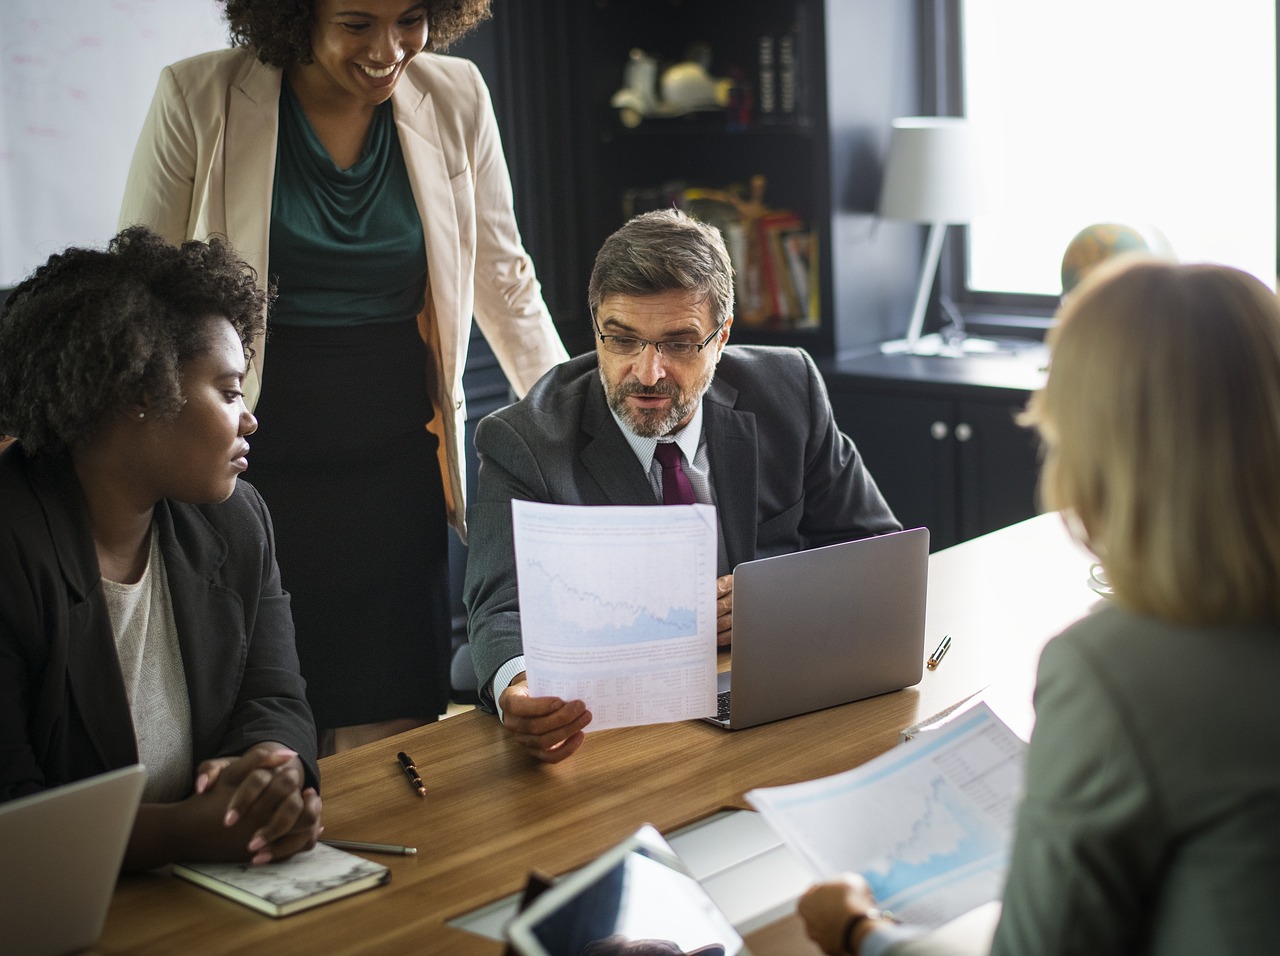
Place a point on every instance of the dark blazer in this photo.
(64, 714)
(785, 477)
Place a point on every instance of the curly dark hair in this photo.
(279, 31)
(91, 332)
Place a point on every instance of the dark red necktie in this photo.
(676, 489)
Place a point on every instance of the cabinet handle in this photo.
(939, 430)
(964, 431)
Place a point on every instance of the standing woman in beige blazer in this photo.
(362, 173)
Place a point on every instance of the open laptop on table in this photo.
(60, 850)
(824, 627)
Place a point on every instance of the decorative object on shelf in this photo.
(1104, 240)
(685, 87)
(932, 176)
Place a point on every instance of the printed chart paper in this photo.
(929, 823)
(617, 608)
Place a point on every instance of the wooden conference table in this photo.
(492, 814)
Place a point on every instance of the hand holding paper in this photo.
(929, 823)
(618, 610)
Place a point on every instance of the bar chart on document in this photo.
(929, 823)
(617, 608)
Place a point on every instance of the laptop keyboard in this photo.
(722, 705)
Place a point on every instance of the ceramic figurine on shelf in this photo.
(685, 87)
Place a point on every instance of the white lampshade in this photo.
(933, 171)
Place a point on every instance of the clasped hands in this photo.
(253, 806)
(551, 729)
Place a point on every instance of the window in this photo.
(1130, 111)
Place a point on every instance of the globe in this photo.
(1105, 240)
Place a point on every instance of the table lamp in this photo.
(931, 176)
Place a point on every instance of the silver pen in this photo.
(372, 847)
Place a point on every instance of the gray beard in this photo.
(652, 424)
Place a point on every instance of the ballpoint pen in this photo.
(937, 655)
(411, 772)
(372, 847)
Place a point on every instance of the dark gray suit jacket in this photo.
(785, 477)
(64, 714)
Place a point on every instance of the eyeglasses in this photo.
(631, 345)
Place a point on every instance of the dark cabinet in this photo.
(941, 438)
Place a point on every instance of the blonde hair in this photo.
(1160, 422)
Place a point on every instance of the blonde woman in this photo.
(1151, 817)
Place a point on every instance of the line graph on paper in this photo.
(618, 608)
(594, 600)
(613, 578)
(929, 826)
(952, 813)
(948, 835)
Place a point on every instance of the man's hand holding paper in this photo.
(618, 612)
(549, 728)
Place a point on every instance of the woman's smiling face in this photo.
(360, 47)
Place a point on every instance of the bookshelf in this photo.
(834, 74)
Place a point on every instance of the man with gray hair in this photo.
(661, 412)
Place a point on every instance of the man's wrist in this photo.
(502, 679)
(859, 926)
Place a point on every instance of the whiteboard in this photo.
(76, 79)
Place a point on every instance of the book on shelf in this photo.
(782, 297)
(801, 248)
(780, 75)
(767, 76)
(787, 74)
(319, 875)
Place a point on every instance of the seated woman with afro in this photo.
(141, 614)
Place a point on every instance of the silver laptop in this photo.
(60, 854)
(824, 627)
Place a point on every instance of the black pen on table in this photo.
(372, 847)
(936, 657)
(411, 772)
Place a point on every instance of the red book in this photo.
(780, 293)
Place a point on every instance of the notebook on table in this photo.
(61, 851)
(284, 887)
(824, 627)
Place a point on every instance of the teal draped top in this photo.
(346, 244)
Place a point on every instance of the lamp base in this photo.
(957, 345)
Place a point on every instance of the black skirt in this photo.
(351, 477)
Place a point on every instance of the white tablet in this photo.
(638, 899)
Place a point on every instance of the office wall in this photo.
(76, 78)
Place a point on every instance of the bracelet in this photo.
(857, 920)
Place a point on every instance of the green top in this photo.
(346, 244)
